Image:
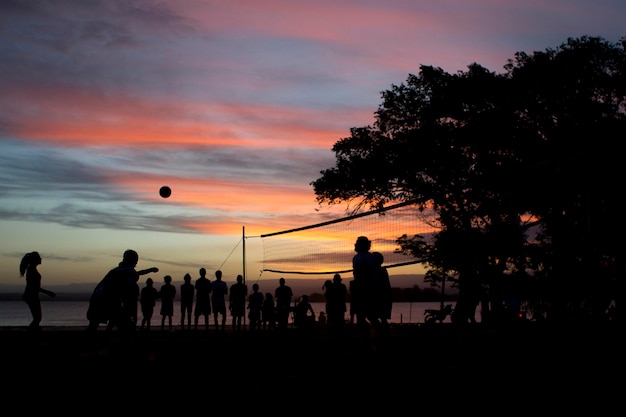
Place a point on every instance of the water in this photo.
(72, 313)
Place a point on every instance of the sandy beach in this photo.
(416, 361)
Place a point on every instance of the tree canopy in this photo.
(522, 169)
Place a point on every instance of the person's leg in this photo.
(35, 310)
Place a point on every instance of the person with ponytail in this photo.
(28, 269)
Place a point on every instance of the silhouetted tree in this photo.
(521, 169)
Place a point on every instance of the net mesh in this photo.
(328, 248)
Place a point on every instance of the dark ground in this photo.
(418, 367)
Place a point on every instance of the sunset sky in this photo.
(233, 104)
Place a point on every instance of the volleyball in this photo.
(165, 191)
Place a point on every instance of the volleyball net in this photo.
(328, 247)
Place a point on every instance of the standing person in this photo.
(326, 289)
(105, 303)
(255, 305)
(187, 291)
(354, 302)
(28, 269)
(336, 295)
(219, 290)
(203, 299)
(365, 270)
(237, 302)
(130, 302)
(283, 295)
(385, 298)
(268, 312)
(147, 300)
(167, 295)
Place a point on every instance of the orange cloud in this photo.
(74, 118)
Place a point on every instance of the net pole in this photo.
(243, 260)
(243, 252)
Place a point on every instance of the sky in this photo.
(235, 105)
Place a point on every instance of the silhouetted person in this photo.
(203, 299)
(383, 293)
(304, 315)
(187, 292)
(470, 291)
(354, 302)
(237, 302)
(283, 295)
(147, 300)
(28, 269)
(325, 289)
(336, 296)
(365, 270)
(321, 318)
(105, 303)
(219, 290)
(255, 305)
(268, 312)
(167, 295)
(130, 303)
